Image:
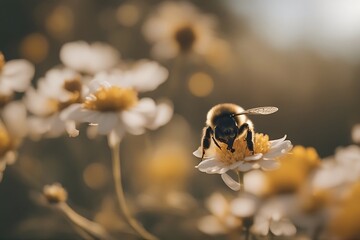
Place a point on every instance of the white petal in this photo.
(107, 122)
(146, 76)
(281, 149)
(209, 165)
(134, 122)
(243, 206)
(198, 152)
(231, 183)
(17, 74)
(164, 112)
(269, 164)
(211, 225)
(254, 157)
(77, 113)
(89, 58)
(146, 106)
(245, 166)
(282, 228)
(274, 143)
(71, 129)
(261, 226)
(217, 204)
(15, 119)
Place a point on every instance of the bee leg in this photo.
(216, 143)
(249, 136)
(206, 140)
(249, 141)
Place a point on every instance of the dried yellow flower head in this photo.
(111, 99)
(185, 37)
(5, 141)
(2, 61)
(261, 145)
(55, 193)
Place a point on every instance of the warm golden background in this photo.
(302, 57)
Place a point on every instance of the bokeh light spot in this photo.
(201, 84)
(35, 47)
(96, 175)
(60, 22)
(127, 15)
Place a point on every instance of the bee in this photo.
(226, 122)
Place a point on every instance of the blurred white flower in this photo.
(113, 105)
(13, 129)
(179, 27)
(221, 160)
(15, 76)
(55, 92)
(221, 220)
(271, 217)
(89, 58)
(345, 165)
(244, 206)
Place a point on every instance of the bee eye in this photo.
(227, 131)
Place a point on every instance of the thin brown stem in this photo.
(115, 150)
(88, 229)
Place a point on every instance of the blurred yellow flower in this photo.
(346, 222)
(168, 167)
(295, 168)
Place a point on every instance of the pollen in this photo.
(5, 141)
(261, 145)
(2, 61)
(111, 99)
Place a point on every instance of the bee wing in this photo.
(259, 111)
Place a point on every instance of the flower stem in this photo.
(241, 180)
(88, 229)
(115, 150)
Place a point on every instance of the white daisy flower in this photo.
(15, 76)
(220, 161)
(13, 129)
(56, 91)
(89, 58)
(113, 105)
(221, 220)
(345, 165)
(179, 27)
(271, 218)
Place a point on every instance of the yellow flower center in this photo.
(261, 145)
(5, 141)
(111, 99)
(73, 86)
(185, 37)
(2, 61)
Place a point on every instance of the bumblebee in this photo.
(226, 122)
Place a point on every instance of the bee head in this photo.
(226, 131)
